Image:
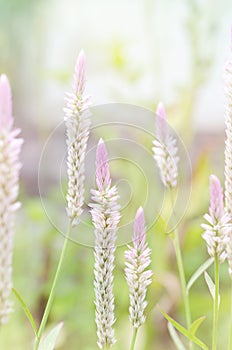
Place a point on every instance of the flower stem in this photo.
(180, 266)
(230, 335)
(182, 278)
(135, 331)
(52, 292)
(216, 304)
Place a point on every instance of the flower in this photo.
(77, 124)
(228, 143)
(137, 276)
(105, 217)
(217, 227)
(228, 153)
(165, 150)
(10, 147)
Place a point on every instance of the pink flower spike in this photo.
(80, 74)
(217, 226)
(77, 120)
(10, 148)
(137, 275)
(102, 167)
(161, 123)
(6, 119)
(216, 209)
(165, 150)
(105, 217)
(139, 228)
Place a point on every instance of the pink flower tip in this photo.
(216, 209)
(80, 74)
(6, 119)
(161, 123)
(139, 227)
(160, 111)
(102, 167)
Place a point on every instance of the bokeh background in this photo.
(138, 52)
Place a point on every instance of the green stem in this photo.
(182, 278)
(52, 292)
(216, 304)
(180, 266)
(135, 331)
(230, 336)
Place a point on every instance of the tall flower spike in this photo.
(77, 124)
(228, 143)
(228, 152)
(137, 275)
(217, 227)
(105, 217)
(165, 150)
(10, 147)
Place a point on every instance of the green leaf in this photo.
(199, 272)
(50, 341)
(26, 310)
(184, 331)
(196, 324)
(175, 337)
(211, 286)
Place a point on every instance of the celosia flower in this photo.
(137, 275)
(77, 124)
(105, 217)
(10, 147)
(217, 227)
(165, 150)
(228, 143)
(228, 154)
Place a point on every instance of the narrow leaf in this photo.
(50, 341)
(184, 331)
(196, 324)
(211, 286)
(26, 311)
(199, 272)
(175, 337)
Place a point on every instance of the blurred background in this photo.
(138, 53)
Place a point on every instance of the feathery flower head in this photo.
(79, 78)
(77, 125)
(228, 142)
(216, 209)
(10, 147)
(161, 123)
(228, 152)
(137, 276)
(6, 119)
(217, 227)
(165, 150)
(102, 167)
(105, 217)
(139, 228)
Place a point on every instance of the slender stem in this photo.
(182, 278)
(52, 292)
(230, 336)
(216, 304)
(135, 331)
(180, 266)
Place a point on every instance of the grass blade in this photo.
(199, 272)
(184, 331)
(211, 286)
(49, 342)
(196, 324)
(26, 311)
(175, 337)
